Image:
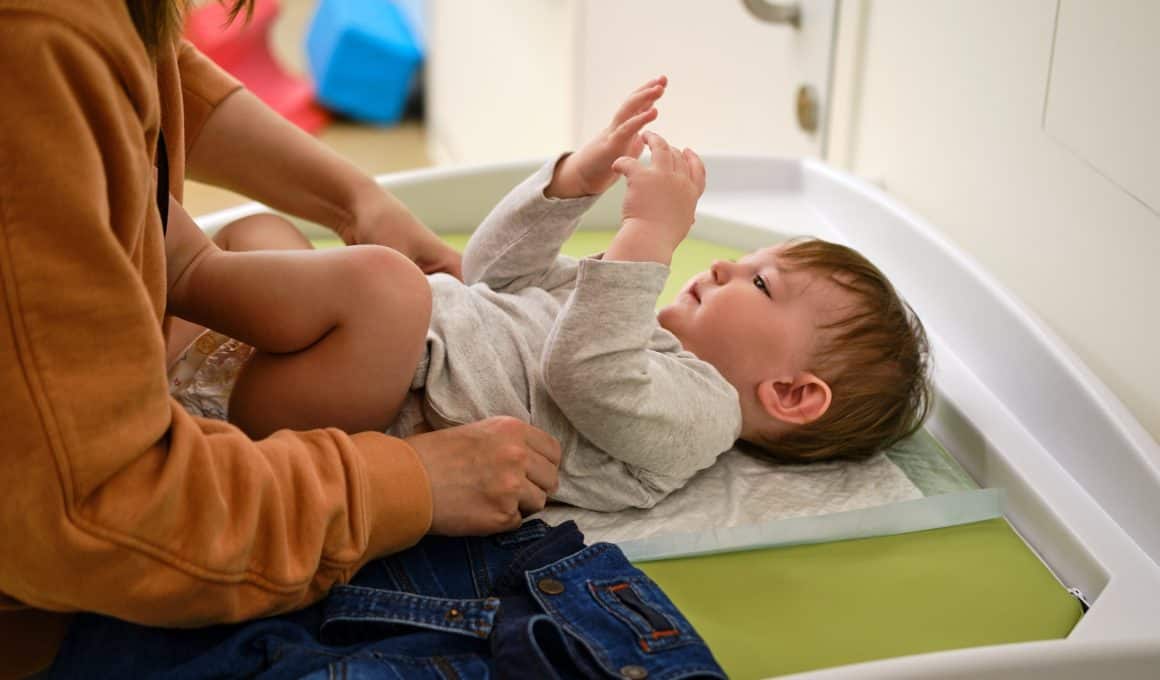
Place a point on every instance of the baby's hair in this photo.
(875, 358)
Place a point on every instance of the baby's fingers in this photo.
(662, 153)
(626, 165)
(638, 100)
(659, 80)
(696, 169)
(623, 134)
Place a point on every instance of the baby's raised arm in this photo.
(517, 244)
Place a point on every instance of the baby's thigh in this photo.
(358, 373)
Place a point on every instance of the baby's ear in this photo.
(799, 401)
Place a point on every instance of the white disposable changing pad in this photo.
(744, 503)
(741, 490)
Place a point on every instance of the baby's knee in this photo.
(264, 231)
(395, 288)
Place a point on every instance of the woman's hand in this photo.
(485, 474)
(381, 219)
(588, 171)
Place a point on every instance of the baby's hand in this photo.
(588, 171)
(660, 204)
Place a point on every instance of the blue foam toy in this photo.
(364, 57)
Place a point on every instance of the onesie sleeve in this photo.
(660, 411)
(517, 245)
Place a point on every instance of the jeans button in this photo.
(551, 586)
(634, 672)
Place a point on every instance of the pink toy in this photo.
(243, 49)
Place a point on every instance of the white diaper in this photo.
(202, 378)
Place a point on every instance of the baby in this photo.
(803, 349)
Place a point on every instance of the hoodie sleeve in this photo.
(112, 498)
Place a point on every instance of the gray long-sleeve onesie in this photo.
(573, 347)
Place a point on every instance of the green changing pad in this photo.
(782, 610)
(786, 610)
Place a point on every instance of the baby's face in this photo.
(751, 319)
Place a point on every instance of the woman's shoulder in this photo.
(74, 42)
(100, 27)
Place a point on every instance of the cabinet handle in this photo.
(775, 12)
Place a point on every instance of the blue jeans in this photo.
(532, 603)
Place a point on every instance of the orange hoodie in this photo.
(112, 498)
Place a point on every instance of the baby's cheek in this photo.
(666, 318)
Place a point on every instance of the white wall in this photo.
(944, 105)
(499, 78)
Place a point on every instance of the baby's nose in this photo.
(717, 270)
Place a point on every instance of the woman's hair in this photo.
(158, 22)
(875, 358)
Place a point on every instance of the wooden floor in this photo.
(374, 149)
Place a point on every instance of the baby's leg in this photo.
(264, 231)
(338, 333)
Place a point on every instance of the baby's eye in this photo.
(760, 283)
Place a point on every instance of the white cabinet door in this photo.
(528, 78)
(1103, 96)
(734, 79)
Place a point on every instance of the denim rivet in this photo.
(634, 672)
(454, 614)
(550, 586)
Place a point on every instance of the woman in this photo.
(112, 498)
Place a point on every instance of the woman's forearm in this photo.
(248, 148)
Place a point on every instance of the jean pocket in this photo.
(641, 605)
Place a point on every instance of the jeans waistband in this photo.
(348, 604)
(534, 543)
